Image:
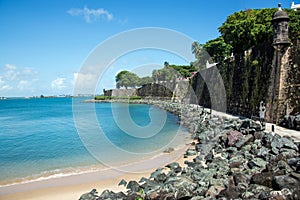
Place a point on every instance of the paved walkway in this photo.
(295, 135)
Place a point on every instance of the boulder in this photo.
(265, 179)
(122, 182)
(230, 191)
(249, 125)
(263, 152)
(142, 180)
(244, 140)
(92, 195)
(106, 194)
(214, 190)
(233, 137)
(191, 152)
(175, 167)
(133, 186)
(241, 178)
(289, 182)
(287, 143)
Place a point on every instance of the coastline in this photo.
(38, 188)
(72, 187)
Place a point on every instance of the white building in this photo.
(295, 6)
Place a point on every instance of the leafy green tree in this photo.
(145, 80)
(294, 23)
(119, 75)
(127, 79)
(184, 70)
(218, 49)
(165, 74)
(248, 28)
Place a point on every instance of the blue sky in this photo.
(44, 43)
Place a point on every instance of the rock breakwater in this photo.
(232, 159)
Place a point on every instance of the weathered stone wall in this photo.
(177, 91)
(292, 87)
(247, 79)
(163, 89)
(120, 92)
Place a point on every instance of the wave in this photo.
(73, 171)
(57, 173)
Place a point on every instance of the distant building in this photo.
(295, 6)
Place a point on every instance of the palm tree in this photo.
(196, 48)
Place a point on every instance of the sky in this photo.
(45, 43)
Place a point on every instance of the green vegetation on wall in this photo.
(249, 35)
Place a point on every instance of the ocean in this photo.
(52, 137)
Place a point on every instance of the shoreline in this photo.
(65, 172)
(74, 185)
(70, 188)
(33, 188)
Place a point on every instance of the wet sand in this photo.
(72, 187)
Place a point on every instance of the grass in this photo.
(101, 97)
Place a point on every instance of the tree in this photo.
(218, 49)
(119, 75)
(165, 74)
(196, 48)
(294, 28)
(127, 79)
(201, 56)
(184, 70)
(248, 28)
(145, 80)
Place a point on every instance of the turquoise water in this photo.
(38, 137)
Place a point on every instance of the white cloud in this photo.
(18, 79)
(85, 83)
(5, 87)
(10, 67)
(23, 84)
(13, 73)
(28, 71)
(1, 81)
(58, 84)
(10, 73)
(91, 14)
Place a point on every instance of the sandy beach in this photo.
(72, 187)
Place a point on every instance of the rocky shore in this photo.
(233, 158)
